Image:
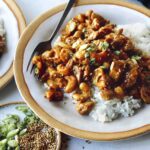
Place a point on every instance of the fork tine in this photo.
(33, 66)
(30, 59)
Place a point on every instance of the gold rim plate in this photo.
(12, 5)
(19, 77)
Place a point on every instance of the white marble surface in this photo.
(32, 9)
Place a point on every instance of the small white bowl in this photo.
(9, 108)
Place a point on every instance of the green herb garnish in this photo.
(92, 61)
(84, 30)
(136, 57)
(36, 71)
(91, 48)
(117, 52)
(87, 55)
(104, 46)
(103, 67)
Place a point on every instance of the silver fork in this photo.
(41, 47)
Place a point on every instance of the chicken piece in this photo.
(95, 24)
(145, 94)
(83, 94)
(145, 77)
(107, 94)
(85, 108)
(116, 69)
(100, 57)
(54, 95)
(86, 72)
(2, 44)
(135, 92)
(146, 62)
(131, 77)
(103, 31)
(117, 41)
(100, 79)
(101, 20)
(80, 18)
(128, 46)
(93, 35)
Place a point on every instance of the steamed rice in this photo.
(107, 111)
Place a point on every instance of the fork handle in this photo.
(65, 13)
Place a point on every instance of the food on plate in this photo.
(106, 73)
(29, 133)
(140, 37)
(2, 38)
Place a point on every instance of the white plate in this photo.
(64, 116)
(13, 28)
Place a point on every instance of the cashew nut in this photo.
(80, 54)
(70, 27)
(65, 54)
(52, 55)
(80, 18)
(84, 108)
(96, 24)
(89, 13)
(71, 84)
(145, 94)
(63, 70)
(77, 34)
(56, 83)
(36, 59)
(100, 79)
(52, 84)
(84, 94)
(52, 72)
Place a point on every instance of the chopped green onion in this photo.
(13, 143)
(11, 119)
(84, 30)
(104, 46)
(92, 61)
(134, 61)
(136, 57)
(36, 70)
(90, 49)
(3, 144)
(103, 67)
(117, 52)
(12, 133)
(87, 55)
(17, 148)
(23, 132)
(23, 109)
(93, 45)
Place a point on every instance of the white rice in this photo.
(139, 33)
(107, 111)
